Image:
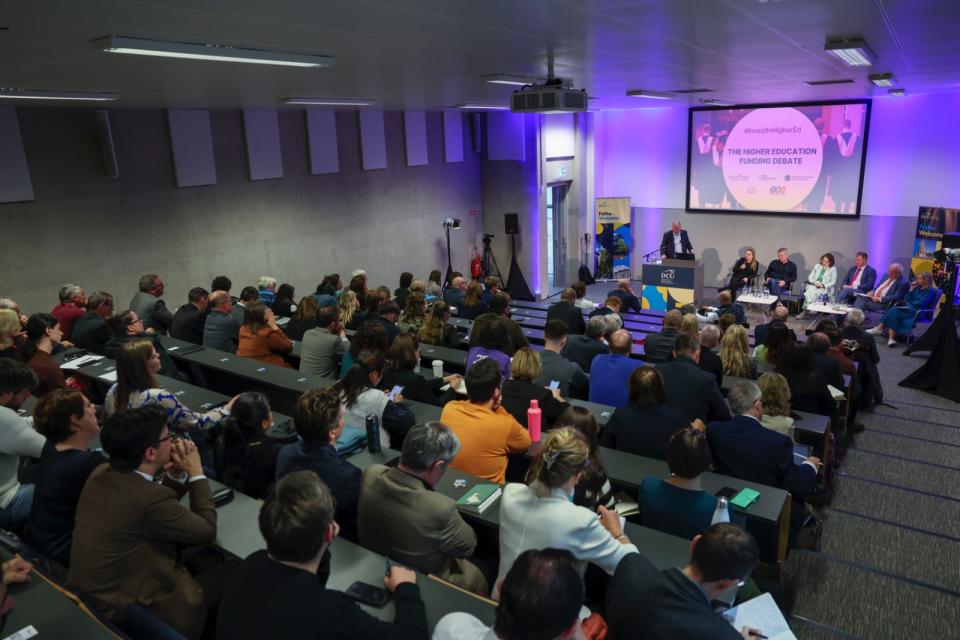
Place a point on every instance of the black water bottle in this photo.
(373, 434)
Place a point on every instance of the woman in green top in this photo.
(821, 281)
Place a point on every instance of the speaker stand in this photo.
(516, 284)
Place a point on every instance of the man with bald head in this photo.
(456, 292)
(658, 347)
(220, 328)
(628, 297)
(675, 242)
(568, 312)
(610, 372)
(781, 313)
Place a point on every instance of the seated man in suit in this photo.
(745, 449)
(859, 279)
(780, 274)
(541, 597)
(220, 328)
(284, 586)
(827, 366)
(628, 298)
(853, 330)
(324, 345)
(130, 530)
(318, 418)
(675, 604)
(658, 347)
(90, 331)
(612, 371)
(674, 242)
(890, 291)
(402, 517)
(73, 302)
(456, 292)
(148, 304)
(689, 386)
(710, 361)
(567, 311)
(780, 313)
(247, 295)
(188, 321)
(486, 431)
(556, 366)
(581, 349)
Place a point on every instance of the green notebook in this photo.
(479, 497)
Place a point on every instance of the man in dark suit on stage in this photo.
(860, 279)
(675, 241)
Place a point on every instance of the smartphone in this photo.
(726, 492)
(368, 594)
(393, 392)
(222, 496)
(389, 565)
(554, 385)
(744, 498)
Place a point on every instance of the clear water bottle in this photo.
(721, 513)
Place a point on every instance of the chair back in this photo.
(926, 314)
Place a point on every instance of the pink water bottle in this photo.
(534, 414)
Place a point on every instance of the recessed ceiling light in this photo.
(507, 78)
(882, 79)
(330, 102)
(215, 52)
(43, 94)
(473, 106)
(653, 95)
(853, 52)
(898, 93)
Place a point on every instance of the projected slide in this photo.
(801, 159)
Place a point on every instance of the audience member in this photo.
(540, 597)
(68, 421)
(580, 289)
(267, 290)
(17, 439)
(644, 426)
(245, 458)
(610, 372)
(284, 586)
(90, 331)
(73, 302)
(370, 309)
(735, 355)
(319, 419)
(14, 571)
(679, 505)
(361, 398)
(594, 488)
(358, 285)
(400, 293)
(827, 366)
(403, 359)
(853, 330)
(710, 360)
(611, 306)
(402, 517)
(136, 387)
(456, 292)
(493, 343)
(127, 327)
(582, 349)
(779, 338)
(388, 314)
(414, 313)
(540, 514)
(220, 329)
(188, 321)
(690, 387)
(10, 304)
(260, 336)
(808, 389)
(130, 531)
(472, 304)
(43, 335)
(780, 313)
(689, 323)
(556, 367)
(521, 388)
(567, 311)
(726, 321)
(247, 295)
(327, 291)
(627, 296)
(437, 329)
(221, 283)
(349, 307)
(725, 305)
(283, 305)
(486, 431)
(676, 604)
(369, 337)
(10, 334)
(305, 317)
(498, 309)
(324, 346)
(148, 304)
(775, 402)
(435, 284)
(658, 347)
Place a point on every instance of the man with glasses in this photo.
(130, 533)
(675, 604)
(90, 331)
(127, 326)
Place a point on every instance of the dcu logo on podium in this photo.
(667, 276)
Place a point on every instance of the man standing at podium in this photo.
(675, 242)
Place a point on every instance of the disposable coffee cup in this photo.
(437, 368)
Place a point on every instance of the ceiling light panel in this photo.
(211, 52)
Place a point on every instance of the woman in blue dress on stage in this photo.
(901, 319)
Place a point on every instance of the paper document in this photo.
(109, 376)
(761, 614)
(861, 295)
(836, 393)
(76, 363)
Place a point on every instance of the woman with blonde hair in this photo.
(472, 305)
(348, 309)
(541, 513)
(735, 353)
(775, 397)
(690, 324)
(437, 329)
(520, 389)
(10, 330)
(303, 319)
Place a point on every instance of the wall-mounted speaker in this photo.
(109, 154)
(511, 223)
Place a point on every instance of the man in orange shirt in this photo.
(487, 433)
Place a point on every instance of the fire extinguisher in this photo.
(476, 265)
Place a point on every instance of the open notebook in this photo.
(760, 613)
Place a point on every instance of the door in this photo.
(556, 238)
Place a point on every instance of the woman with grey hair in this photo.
(902, 318)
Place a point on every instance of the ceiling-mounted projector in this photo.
(549, 97)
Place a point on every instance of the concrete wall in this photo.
(103, 234)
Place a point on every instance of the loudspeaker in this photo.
(511, 223)
(106, 145)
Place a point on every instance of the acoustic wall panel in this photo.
(262, 131)
(453, 136)
(15, 182)
(322, 141)
(415, 134)
(373, 143)
(505, 136)
(192, 147)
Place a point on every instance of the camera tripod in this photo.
(488, 261)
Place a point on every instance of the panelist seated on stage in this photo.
(902, 318)
(859, 279)
(744, 272)
(889, 292)
(780, 274)
(820, 281)
(628, 297)
(675, 242)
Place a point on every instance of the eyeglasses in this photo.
(169, 436)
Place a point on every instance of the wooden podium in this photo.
(670, 284)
